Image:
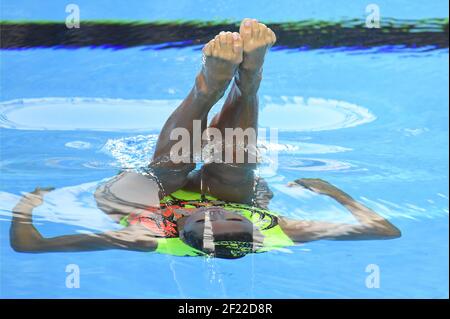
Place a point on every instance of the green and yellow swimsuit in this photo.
(164, 224)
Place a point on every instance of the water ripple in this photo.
(101, 114)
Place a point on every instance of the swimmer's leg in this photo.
(241, 107)
(221, 58)
(235, 181)
(129, 191)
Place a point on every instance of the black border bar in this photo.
(305, 35)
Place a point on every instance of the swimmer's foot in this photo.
(257, 40)
(221, 58)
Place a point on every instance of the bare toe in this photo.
(222, 39)
(207, 49)
(262, 30)
(229, 38)
(246, 28)
(255, 28)
(237, 44)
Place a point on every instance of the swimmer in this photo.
(219, 210)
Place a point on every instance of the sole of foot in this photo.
(221, 58)
(257, 39)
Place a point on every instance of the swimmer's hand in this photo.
(320, 186)
(23, 235)
(36, 197)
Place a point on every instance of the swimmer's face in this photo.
(222, 222)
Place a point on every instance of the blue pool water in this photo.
(374, 124)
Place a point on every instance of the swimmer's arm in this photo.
(371, 225)
(25, 237)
